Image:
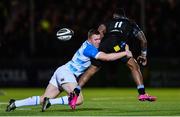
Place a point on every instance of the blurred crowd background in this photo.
(28, 34)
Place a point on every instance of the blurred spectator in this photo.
(161, 24)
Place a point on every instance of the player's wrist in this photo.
(126, 52)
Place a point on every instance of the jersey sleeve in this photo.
(91, 51)
(135, 29)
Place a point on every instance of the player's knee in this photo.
(134, 66)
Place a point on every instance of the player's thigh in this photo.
(66, 79)
(132, 64)
(69, 86)
(51, 91)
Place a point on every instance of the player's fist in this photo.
(127, 47)
(129, 54)
(142, 60)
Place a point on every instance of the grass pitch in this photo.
(99, 102)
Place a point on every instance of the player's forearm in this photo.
(87, 75)
(112, 56)
(143, 43)
(115, 56)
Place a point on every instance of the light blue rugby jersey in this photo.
(81, 59)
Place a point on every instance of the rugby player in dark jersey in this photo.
(115, 34)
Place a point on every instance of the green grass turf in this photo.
(99, 102)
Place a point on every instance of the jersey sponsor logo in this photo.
(117, 48)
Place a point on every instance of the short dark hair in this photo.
(120, 11)
(93, 31)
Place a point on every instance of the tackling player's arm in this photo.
(92, 52)
(112, 56)
(93, 69)
(104, 57)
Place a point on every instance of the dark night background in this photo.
(30, 51)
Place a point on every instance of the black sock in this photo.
(141, 91)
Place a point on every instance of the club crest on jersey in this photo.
(62, 79)
(117, 48)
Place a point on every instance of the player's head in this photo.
(94, 37)
(119, 12)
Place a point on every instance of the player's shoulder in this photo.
(132, 22)
(128, 20)
(90, 51)
(87, 46)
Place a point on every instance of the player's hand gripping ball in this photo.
(64, 34)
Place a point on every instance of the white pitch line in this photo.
(23, 109)
(110, 98)
(2, 92)
(3, 103)
(18, 109)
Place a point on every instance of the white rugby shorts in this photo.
(62, 75)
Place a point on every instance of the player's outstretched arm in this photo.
(113, 56)
(102, 56)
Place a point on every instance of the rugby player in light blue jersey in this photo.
(65, 77)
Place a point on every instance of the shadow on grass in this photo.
(79, 109)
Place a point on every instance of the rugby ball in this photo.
(64, 34)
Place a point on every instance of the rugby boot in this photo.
(46, 104)
(146, 97)
(11, 106)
